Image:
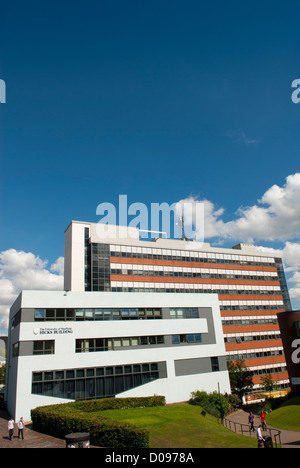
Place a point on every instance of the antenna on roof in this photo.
(180, 219)
(181, 224)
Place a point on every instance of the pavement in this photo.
(289, 439)
(32, 439)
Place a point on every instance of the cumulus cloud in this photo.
(23, 270)
(58, 266)
(295, 290)
(274, 218)
(291, 256)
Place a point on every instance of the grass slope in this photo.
(182, 426)
(287, 416)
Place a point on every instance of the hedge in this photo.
(118, 403)
(63, 419)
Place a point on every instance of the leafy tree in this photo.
(214, 403)
(268, 383)
(240, 377)
(2, 374)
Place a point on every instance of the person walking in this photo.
(251, 421)
(263, 420)
(260, 439)
(11, 426)
(21, 428)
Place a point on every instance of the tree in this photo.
(240, 377)
(268, 383)
(2, 374)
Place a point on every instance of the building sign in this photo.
(53, 331)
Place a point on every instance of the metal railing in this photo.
(245, 429)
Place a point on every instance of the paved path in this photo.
(32, 439)
(289, 439)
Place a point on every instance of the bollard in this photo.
(78, 440)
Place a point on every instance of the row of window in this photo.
(252, 307)
(112, 314)
(110, 344)
(254, 354)
(67, 374)
(257, 389)
(242, 339)
(182, 288)
(246, 321)
(272, 370)
(89, 383)
(96, 314)
(198, 259)
(89, 345)
(244, 290)
(185, 274)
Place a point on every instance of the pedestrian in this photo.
(263, 420)
(251, 421)
(260, 439)
(20, 428)
(11, 426)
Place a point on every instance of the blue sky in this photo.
(158, 100)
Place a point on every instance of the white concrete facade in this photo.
(116, 236)
(182, 367)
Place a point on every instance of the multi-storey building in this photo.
(250, 284)
(65, 346)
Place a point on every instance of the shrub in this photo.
(215, 404)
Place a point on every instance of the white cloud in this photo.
(295, 290)
(23, 270)
(58, 266)
(291, 259)
(275, 217)
(239, 136)
(291, 256)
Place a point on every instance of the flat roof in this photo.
(86, 299)
(172, 244)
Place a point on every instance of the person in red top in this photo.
(263, 420)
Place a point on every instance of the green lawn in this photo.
(182, 426)
(287, 416)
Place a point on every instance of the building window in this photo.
(184, 313)
(254, 354)
(16, 349)
(109, 344)
(242, 338)
(43, 347)
(43, 315)
(100, 382)
(189, 338)
(215, 364)
(100, 267)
